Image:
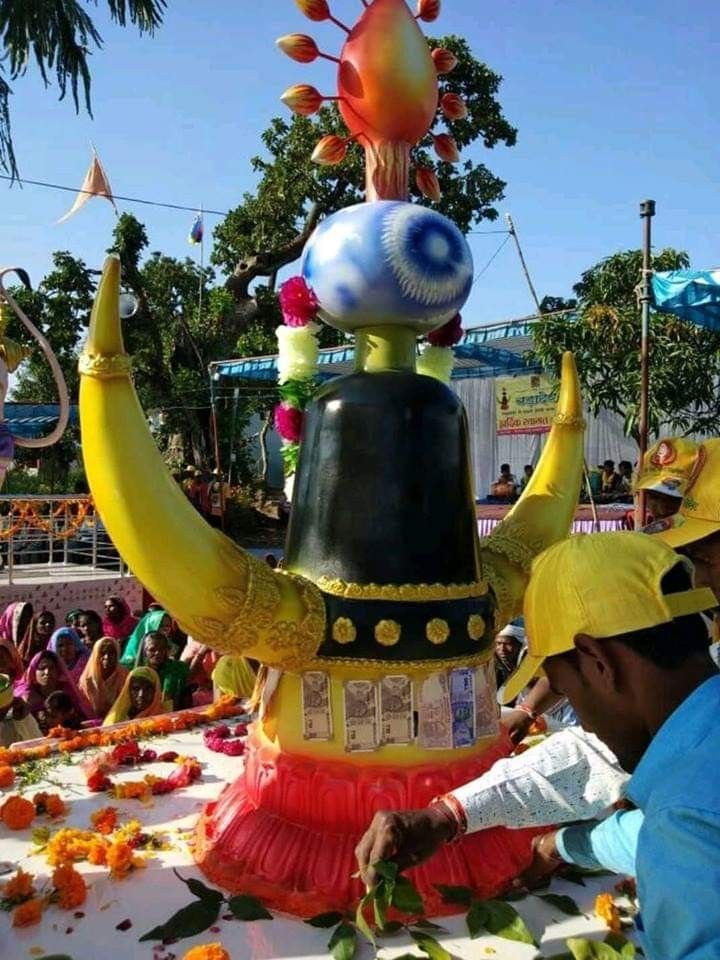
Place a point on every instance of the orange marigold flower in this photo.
(119, 858)
(50, 803)
(70, 887)
(68, 845)
(17, 813)
(97, 852)
(607, 911)
(27, 913)
(105, 820)
(18, 888)
(208, 951)
(7, 776)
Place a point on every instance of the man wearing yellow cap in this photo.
(614, 622)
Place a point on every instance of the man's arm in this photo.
(610, 844)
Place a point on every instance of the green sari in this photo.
(147, 624)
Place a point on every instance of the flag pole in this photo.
(647, 212)
(202, 265)
(513, 233)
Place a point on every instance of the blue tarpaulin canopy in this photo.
(493, 351)
(30, 420)
(693, 295)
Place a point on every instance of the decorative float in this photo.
(378, 634)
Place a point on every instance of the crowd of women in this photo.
(105, 669)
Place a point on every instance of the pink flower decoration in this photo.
(297, 302)
(288, 422)
(447, 335)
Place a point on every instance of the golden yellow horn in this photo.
(217, 592)
(544, 513)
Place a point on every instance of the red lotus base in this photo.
(286, 830)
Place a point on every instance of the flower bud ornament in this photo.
(302, 99)
(331, 149)
(299, 47)
(428, 184)
(453, 106)
(314, 9)
(446, 148)
(428, 10)
(445, 61)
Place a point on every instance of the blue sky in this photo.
(614, 102)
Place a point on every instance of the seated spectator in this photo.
(173, 674)
(68, 646)
(155, 620)
(38, 633)
(201, 662)
(610, 479)
(505, 487)
(118, 621)
(528, 471)
(233, 677)
(10, 660)
(16, 722)
(509, 644)
(14, 626)
(60, 711)
(90, 627)
(625, 471)
(71, 616)
(45, 674)
(103, 676)
(141, 696)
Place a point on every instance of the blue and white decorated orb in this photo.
(388, 262)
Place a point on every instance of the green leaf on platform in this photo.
(429, 925)
(564, 904)
(406, 898)
(450, 894)
(360, 921)
(199, 890)
(504, 921)
(391, 927)
(343, 942)
(626, 948)
(245, 907)
(191, 920)
(324, 920)
(582, 949)
(430, 946)
(476, 918)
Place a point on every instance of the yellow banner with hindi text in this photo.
(524, 404)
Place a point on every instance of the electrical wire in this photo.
(116, 196)
(478, 275)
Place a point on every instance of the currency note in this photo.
(486, 707)
(316, 708)
(435, 724)
(396, 709)
(361, 716)
(462, 707)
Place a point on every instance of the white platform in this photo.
(150, 896)
(63, 587)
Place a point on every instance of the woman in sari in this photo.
(174, 675)
(103, 677)
(234, 677)
(141, 696)
(10, 660)
(37, 635)
(68, 646)
(118, 621)
(153, 621)
(15, 624)
(45, 674)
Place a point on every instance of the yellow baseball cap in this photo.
(603, 585)
(699, 514)
(670, 464)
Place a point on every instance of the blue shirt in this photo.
(610, 844)
(677, 786)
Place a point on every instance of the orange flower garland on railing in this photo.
(28, 513)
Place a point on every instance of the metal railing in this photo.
(53, 531)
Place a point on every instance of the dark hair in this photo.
(156, 635)
(528, 466)
(625, 463)
(609, 463)
(670, 645)
(93, 617)
(48, 655)
(504, 468)
(59, 700)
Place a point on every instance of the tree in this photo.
(59, 36)
(550, 304)
(604, 335)
(269, 229)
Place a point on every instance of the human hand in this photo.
(546, 860)
(406, 837)
(517, 723)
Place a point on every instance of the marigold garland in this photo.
(17, 813)
(104, 820)
(606, 910)
(7, 776)
(207, 951)
(70, 887)
(18, 889)
(28, 913)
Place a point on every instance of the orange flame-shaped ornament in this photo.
(302, 99)
(446, 148)
(453, 106)
(299, 47)
(428, 10)
(445, 60)
(331, 149)
(428, 184)
(314, 9)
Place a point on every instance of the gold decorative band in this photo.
(568, 420)
(407, 592)
(103, 367)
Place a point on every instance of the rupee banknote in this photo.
(396, 709)
(316, 708)
(486, 706)
(462, 707)
(435, 723)
(361, 716)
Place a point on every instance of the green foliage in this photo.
(604, 335)
(59, 37)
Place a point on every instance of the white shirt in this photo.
(570, 776)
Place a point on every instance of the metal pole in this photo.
(216, 444)
(647, 212)
(513, 234)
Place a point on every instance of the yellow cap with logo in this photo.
(669, 466)
(699, 514)
(602, 585)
